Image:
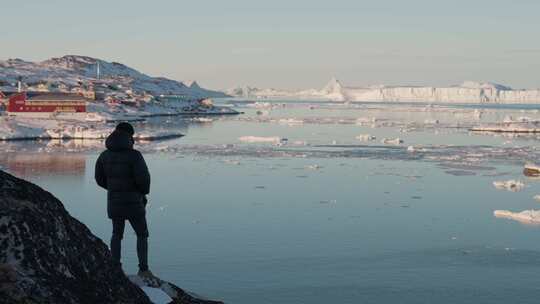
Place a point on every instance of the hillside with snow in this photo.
(73, 73)
(467, 92)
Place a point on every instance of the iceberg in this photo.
(467, 92)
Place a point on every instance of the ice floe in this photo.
(510, 185)
(261, 139)
(431, 121)
(366, 137)
(392, 141)
(531, 217)
(313, 167)
(291, 121)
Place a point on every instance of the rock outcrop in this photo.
(47, 256)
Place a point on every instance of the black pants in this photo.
(141, 229)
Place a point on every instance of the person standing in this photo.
(122, 171)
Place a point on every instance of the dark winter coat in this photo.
(122, 171)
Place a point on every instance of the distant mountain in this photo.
(73, 71)
(467, 92)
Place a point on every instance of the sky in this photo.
(288, 44)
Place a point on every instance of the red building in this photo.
(46, 103)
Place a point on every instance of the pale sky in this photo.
(288, 44)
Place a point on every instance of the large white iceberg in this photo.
(467, 92)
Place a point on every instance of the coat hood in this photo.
(119, 141)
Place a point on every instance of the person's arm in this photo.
(142, 176)
(99, 175)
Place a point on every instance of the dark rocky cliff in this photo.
(47, 256)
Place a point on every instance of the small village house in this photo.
(44, 104)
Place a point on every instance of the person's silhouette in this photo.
(122, 171)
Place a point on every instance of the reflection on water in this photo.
(43, 164)
(74, 144)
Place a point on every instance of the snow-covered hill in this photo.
(467, 92)
(71, 72)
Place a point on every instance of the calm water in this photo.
(324, 218)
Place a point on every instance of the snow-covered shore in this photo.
(114, 92)
(46, 129)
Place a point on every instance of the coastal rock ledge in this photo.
(47, 256)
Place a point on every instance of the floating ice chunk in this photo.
(202, 119)
(431, 121)
(161, 148)
(365, 137)
(414, 149)
(261, 139)
(392, 141)
(232, 162)
(261, 105)
(299, 143)
(366, 120)
(510, 185)
(291, 122)
(537, 197)
(531, 217)
(313, 167)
